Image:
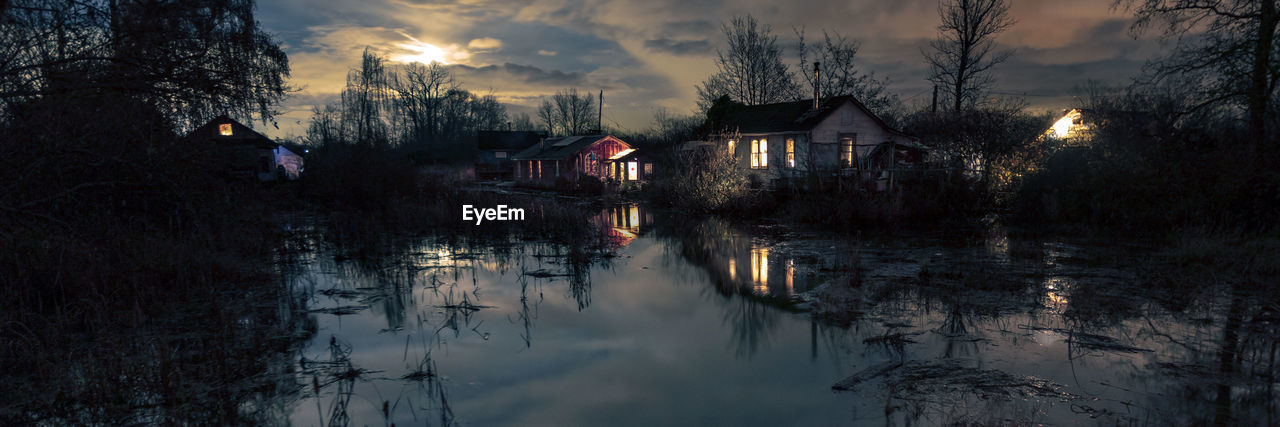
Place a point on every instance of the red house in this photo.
(570, 157)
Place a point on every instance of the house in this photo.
(243, 153)
(630, 168)
(570, 157)
(496, 148)
(1071, 126)
(837, 140)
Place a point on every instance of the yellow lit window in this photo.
(224, 129)
(791, 153)
(759, 154)
(732, 143)
(846, 151)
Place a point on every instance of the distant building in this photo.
(569, 157)
(243, 153)
(495, 150)
(631, 167)
(834, 139)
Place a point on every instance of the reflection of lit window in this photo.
(224, 129)
(791, 153)
(634, 216)
(760, 270)
(733, 269)
(791, 273)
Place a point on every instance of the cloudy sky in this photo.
(650, 54)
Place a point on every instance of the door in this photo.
(632, 171)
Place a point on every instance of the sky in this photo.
(650, 54)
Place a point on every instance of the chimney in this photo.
(817, 83)
(542, 142)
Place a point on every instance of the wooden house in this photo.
(243, 153)
(570, 157)
(495, 149)
(837, 140)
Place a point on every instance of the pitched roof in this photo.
(561, 148)
(795, 116)
(507, 140)
(240, 134)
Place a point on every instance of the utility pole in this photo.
(935, 100)
(600, 113)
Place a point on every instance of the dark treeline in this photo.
(111, 225)
(412, 107)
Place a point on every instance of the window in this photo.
(224, 129)
(732, 143)
(759, 154)
(500, 155)
(791, 153)
(648, 169)
(846, 150)
(631, 171)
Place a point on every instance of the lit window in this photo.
(791, 153)
(224, 129)
(500, 154)
(732, 143)
(631, 171)
(759, 154)
(648, 169)
(846, 151)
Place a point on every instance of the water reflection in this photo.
(649, 319)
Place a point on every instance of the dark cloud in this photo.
(522, 73)
(679, 47)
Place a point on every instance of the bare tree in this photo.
(568, 113)
(751, 71)
(523, 122)
(964, 52)
(839, 75)
(420, 90)
(367, 100)
(1231, 62)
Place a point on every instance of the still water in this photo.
(667, 320)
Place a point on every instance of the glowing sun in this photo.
(425, 53)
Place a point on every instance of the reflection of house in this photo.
(622, 224)
(496, 148)
(835, 137)
(568, 157)
(244, 153)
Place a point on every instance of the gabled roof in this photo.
(795, 116)
(563, 147)
(240, 134)
(507, 140)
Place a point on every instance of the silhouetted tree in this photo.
(1232, 61)
(751, 70)
(962, 56)
(836, 55)
(568, 113)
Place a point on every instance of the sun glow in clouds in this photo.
(426, 53)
